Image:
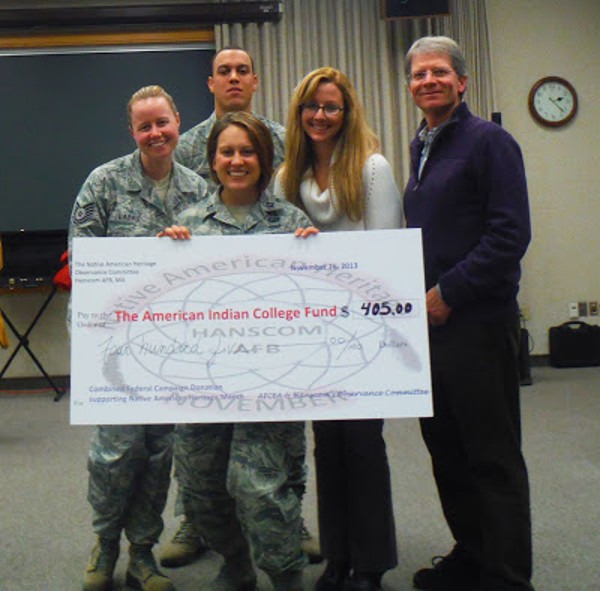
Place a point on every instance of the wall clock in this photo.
(552, 101)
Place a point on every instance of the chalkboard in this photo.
(63, 114)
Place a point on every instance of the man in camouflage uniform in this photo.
(235, 477)
(233, 83)
(129, 465)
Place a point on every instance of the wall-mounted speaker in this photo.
(415, 8)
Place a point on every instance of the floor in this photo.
(45, 533)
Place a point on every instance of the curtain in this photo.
(351, 35)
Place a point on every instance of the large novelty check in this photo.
(249, 328)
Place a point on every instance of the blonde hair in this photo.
(147, 92)
(355, 144)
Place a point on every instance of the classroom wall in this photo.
(530, 40)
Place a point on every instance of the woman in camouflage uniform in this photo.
(235, 477)
(129, 465)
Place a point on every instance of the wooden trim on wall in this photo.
(43, 41)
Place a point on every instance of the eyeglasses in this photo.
(313, 108)
(436, 73)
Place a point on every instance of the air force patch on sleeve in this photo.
(83, 214)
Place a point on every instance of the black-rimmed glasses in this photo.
(330, 110)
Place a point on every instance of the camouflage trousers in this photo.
(129, 471)
(236, 489)
(296, 475)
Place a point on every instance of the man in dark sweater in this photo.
(468, 193)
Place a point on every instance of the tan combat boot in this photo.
(289, 581)
(101, 565)
(185, 547)
(142, 572)
(236, 574)
(310, 545)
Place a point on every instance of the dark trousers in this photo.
(356, 518)
(474, 440)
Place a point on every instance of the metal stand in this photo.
(24, 343)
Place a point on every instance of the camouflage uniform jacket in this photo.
(117, 199)
(191, 149)
(269, 215)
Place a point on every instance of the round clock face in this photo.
(553, 101)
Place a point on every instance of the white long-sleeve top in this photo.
(383, 203)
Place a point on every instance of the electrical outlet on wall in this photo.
(573, 310)
(593, 306)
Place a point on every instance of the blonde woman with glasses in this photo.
(332, 170)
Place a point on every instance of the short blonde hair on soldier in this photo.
(147, 92)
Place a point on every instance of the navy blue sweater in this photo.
(472, 206)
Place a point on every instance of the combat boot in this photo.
(290, 581)
(310, 545)
(142, 572)
(101, 565)
(236, 574)
(184, 548)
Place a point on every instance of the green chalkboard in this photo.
(64, 113)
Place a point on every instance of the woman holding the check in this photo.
(129, 465)
(235, 477)
(333, 172)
